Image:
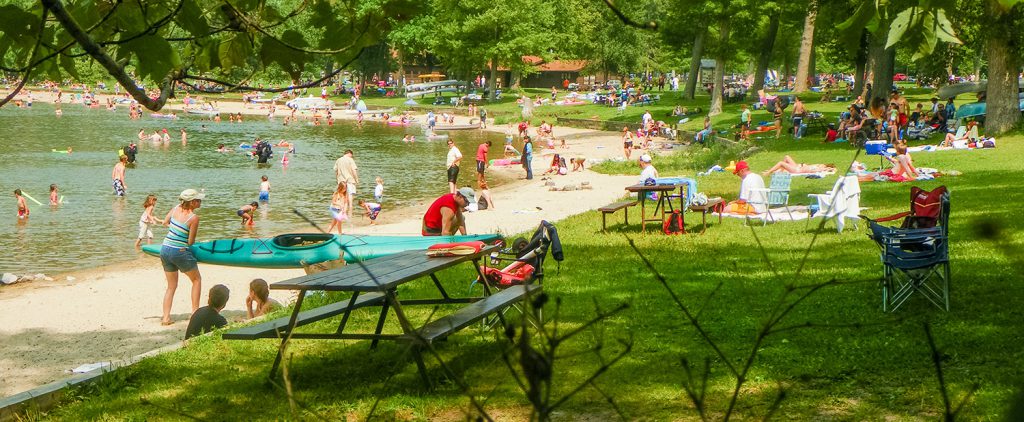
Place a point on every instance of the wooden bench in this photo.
(611, 209)
(445, 326)
(278, 327)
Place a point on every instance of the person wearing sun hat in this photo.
(176, 251)
(751, 201)
(647, 169)
(445, 214)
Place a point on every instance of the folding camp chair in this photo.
(776, 194)
(842, 202)
(915, 256)
(526, 264)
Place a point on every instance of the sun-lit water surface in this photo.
(95, 228)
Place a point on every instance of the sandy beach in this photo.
(113, 312)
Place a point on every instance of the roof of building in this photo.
(553, 65)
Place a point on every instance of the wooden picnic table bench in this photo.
(612, 208)
(375, 283)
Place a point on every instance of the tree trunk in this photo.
(787, 72)
(806, 46)
(812, 69)
(400, 79)
(698, 52)
(1002, 111)
(716, 92)
(860, 64)
(881, 65)
(765, 55)
(492, 82)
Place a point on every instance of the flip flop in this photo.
(166, 322)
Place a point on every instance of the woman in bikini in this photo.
(791, 166)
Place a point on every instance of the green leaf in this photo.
(192, 19)
(154, 57)
(68, 64)
(944, 30)
(850, 30)
(233, 51)
(1008, 4)
(899, 25)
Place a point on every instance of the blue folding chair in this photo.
(915, 256)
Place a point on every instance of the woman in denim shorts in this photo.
(176, 253)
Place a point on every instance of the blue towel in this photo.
(691, 185)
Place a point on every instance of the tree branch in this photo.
(266, 33)
(28, 72)
(151, 29)
(113, 68)
(70, 44)
(652, 25)
(238, 87)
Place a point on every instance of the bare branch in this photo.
(652, 25)
(150, 29)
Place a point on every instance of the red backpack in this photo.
(674, 224)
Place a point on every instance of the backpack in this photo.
(674, 224)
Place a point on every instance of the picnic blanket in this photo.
(816, 175)
(799, 212)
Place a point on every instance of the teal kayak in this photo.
(295, 249)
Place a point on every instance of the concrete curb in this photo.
(47, 396)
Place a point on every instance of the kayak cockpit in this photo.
(301, 240)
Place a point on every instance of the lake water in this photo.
(95, 228)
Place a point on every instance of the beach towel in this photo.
(798, 212)
(691, 185)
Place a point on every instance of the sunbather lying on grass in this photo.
(791, 166)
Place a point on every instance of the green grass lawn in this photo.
(855, 363)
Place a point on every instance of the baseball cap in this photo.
(645, 158)
(468, 193)
(741, 165)
(191, 194)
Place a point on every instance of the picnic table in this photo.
(664, 200)
(375, 283)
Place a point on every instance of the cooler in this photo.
(875, 147)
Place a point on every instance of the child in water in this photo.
(339, 205)
(372, 210)
(146, 219)
(22, 206)
(246, 213)
(378, 191)
(264, 189)
(54, 199)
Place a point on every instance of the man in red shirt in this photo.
(445, 216)
(481, 161)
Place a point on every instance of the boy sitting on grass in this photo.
(208, 317)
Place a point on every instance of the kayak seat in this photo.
(277, 328)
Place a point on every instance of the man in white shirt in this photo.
(750, 201)
(648, 171)
(347, 172)
(454, 158)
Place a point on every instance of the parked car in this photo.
(899, 77)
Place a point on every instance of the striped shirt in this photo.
(177, 233)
